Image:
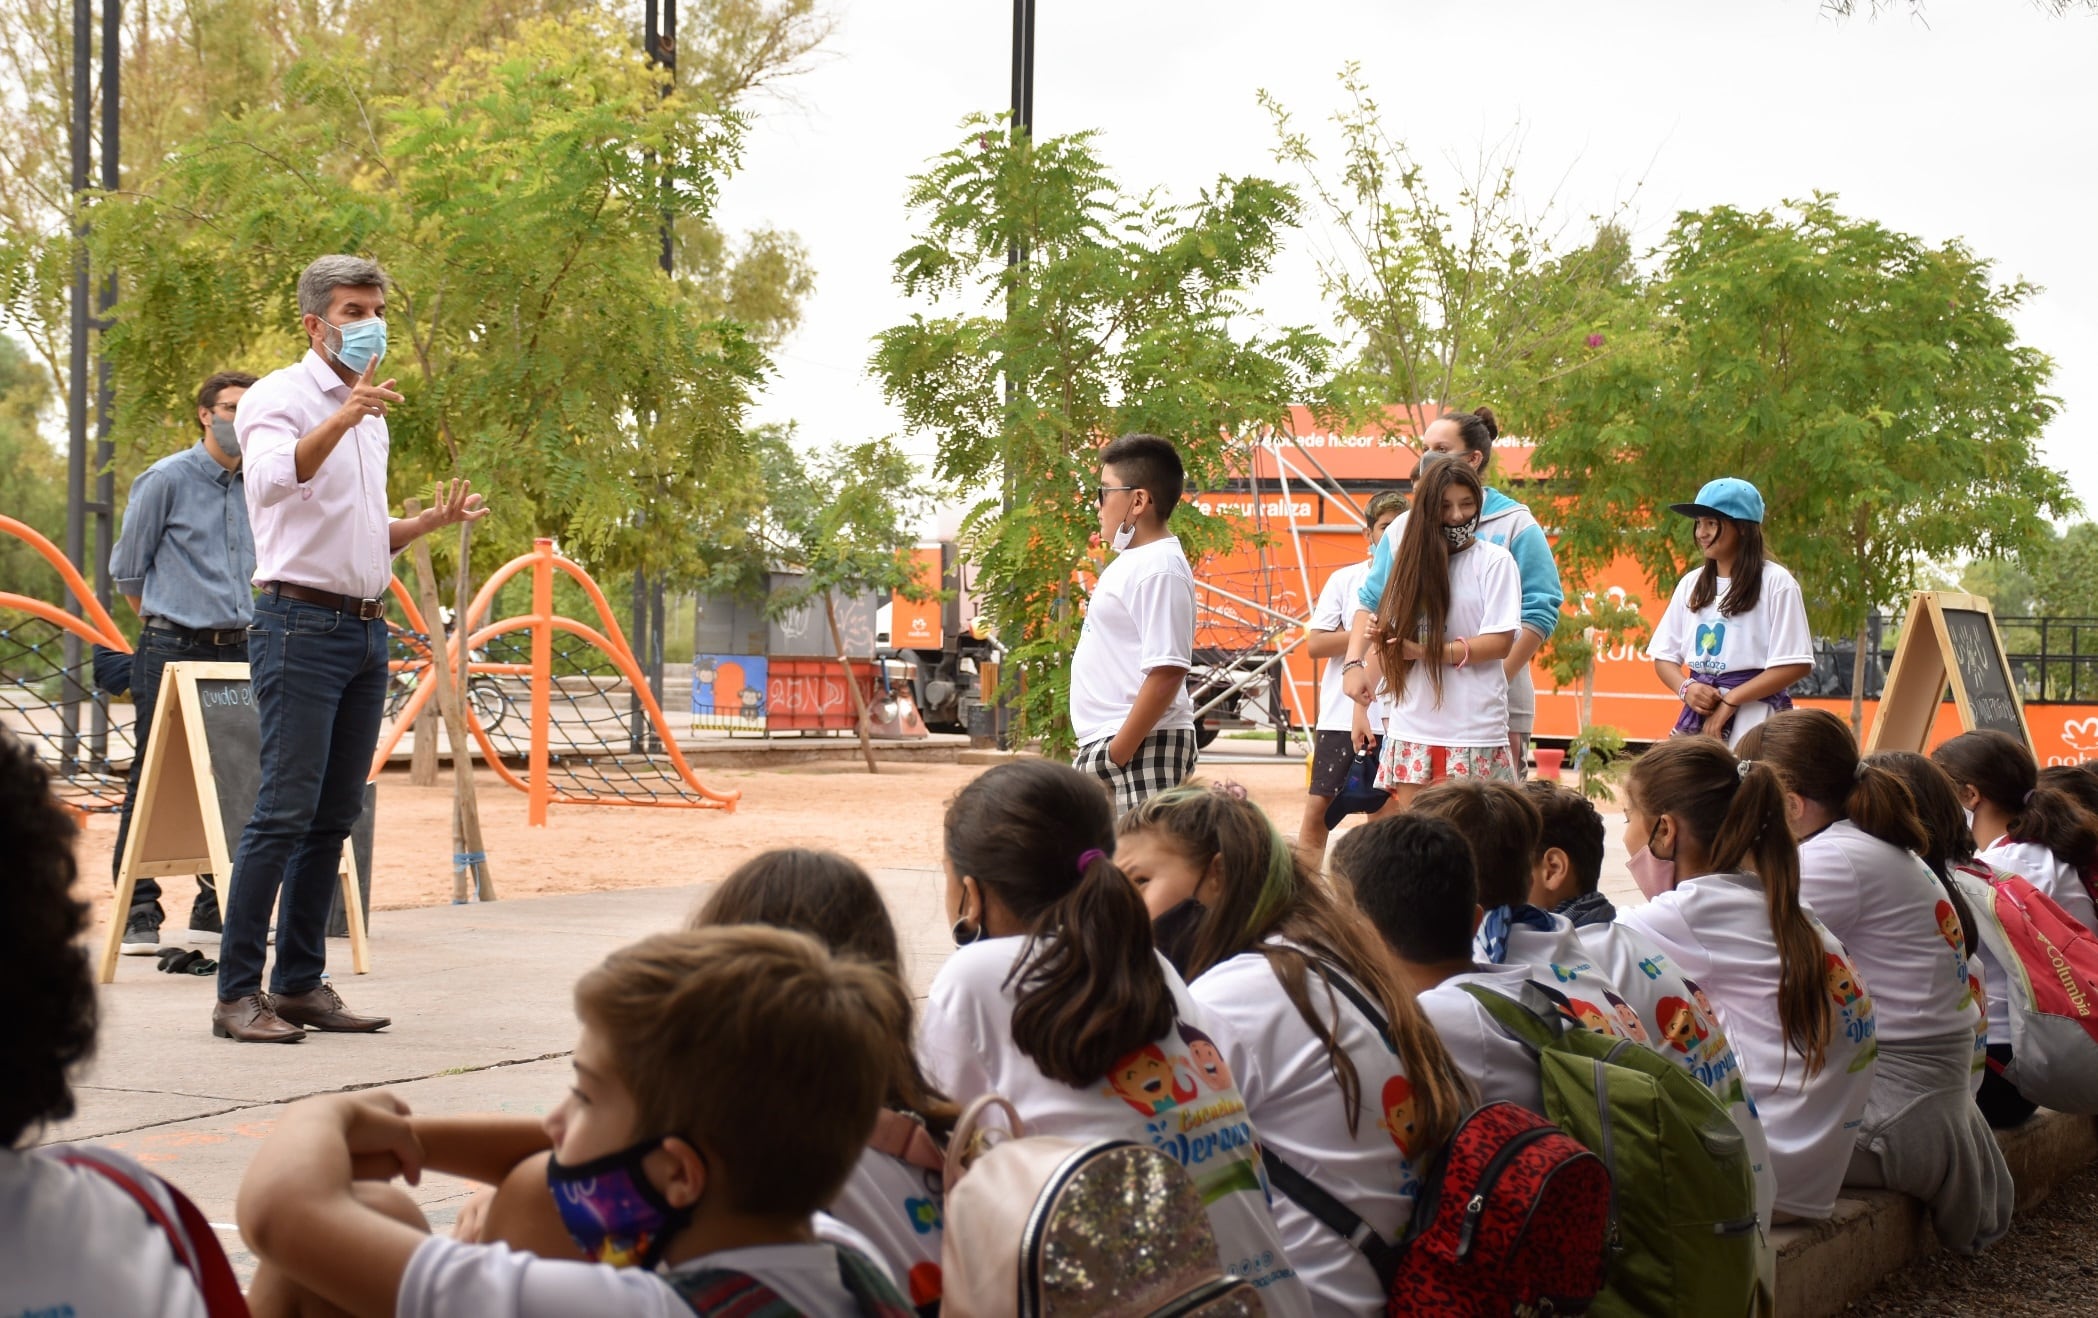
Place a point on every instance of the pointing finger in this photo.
(370, 368)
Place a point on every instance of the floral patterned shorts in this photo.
(1416, 762)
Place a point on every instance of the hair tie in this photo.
(1860, 773)
(1225, 787)
(1088, 856)
(1741, 768)
(2028, 798)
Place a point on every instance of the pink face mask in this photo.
(1653, 874)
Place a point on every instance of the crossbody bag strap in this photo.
(1307, 1194)
(195, 1246)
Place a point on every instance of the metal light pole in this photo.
(105, 502)
(659, 40)
(1015, 256)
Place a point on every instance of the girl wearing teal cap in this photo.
(1734, 638)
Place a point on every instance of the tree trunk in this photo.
(859, 702)
(1857, 680)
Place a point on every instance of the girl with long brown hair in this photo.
(1712, 852)
(1341, 1071)
(1447, 616)
(1861, 873)
(1057, 999)
(2022, 825)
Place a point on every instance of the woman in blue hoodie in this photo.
(1468, 437)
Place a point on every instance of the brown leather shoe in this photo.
(320, 1008)
(250, 1020)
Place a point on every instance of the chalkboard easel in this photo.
(1948, 638)
(196, 791)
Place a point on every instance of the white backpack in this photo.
(2050, 962)
(1038, 1225)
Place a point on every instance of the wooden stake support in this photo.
(468, 853)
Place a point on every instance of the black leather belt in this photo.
(327, 599)
(201, 635)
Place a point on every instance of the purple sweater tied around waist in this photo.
(1690, 722)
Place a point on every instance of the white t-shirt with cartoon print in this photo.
(1707, 643)
(1486, 599)
(1161, 1096)
(1295, 1101)
(1560, 961)
(1898, 926)
(1662, 1009)
(77, 1243)
(1717, 932)
(1336, 613)
(1497, 1064)
(900, 1210)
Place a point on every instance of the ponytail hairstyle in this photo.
(1998, 766)
(1745, 588)
(1478, 429)
(1947, 839)
(1089, 988)
(1816, 757)
(830, 898)
(1736, 810)
(1265, 893)
(1416, 603)
(2074, 780)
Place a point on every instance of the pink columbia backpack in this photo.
(2050, 962)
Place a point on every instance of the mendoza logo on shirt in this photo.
(1706, 648)
(1854, 1006)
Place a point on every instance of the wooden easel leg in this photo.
(353, 912)
(120, 914)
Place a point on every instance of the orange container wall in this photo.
(809, 694)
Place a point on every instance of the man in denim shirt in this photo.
(184, 560)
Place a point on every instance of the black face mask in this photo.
(1174, 933)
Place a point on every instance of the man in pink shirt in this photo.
(314, 439)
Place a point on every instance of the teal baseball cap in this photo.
(1729, 496)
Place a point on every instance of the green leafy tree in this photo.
(258, 133)
(32, 475)
(1131, 314)
(844, 521)
(1453, 292)
(1588, 626)
(1872, 385)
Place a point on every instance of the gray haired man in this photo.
(315, 443)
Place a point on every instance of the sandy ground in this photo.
(889, 820)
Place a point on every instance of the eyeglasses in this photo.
(1100, 492)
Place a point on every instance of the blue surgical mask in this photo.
(613, 1211)
(363, 342)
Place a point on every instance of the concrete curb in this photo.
(1824, 1266)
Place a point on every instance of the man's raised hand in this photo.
(368, 398)
(456, 502)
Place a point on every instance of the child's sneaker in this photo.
(141, 935)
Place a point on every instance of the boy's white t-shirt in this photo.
(1336, 613)
(1287, 1080)
(1769, 635)
(899, 1209)
(1678, 1020)
(1716, 931)
(1559, 960)
(76, 1243)
(1486, 599)
(446, 1278)
(1499, 1067)
(1141, 616)
(1898, 926)
(1161, 1096)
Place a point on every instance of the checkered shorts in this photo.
(1165, 760)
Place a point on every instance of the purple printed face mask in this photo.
(1653, 874)
(612, 1210)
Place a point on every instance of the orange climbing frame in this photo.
(544, 622)
(97, 627)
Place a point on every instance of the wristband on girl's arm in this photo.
(1682, 692)
(1464, 641)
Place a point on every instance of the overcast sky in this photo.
(1979, 121)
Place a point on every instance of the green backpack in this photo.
(1683, 1227)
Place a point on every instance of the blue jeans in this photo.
(320, 687)
(157, 648)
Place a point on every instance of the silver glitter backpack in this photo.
(1038, 1225)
